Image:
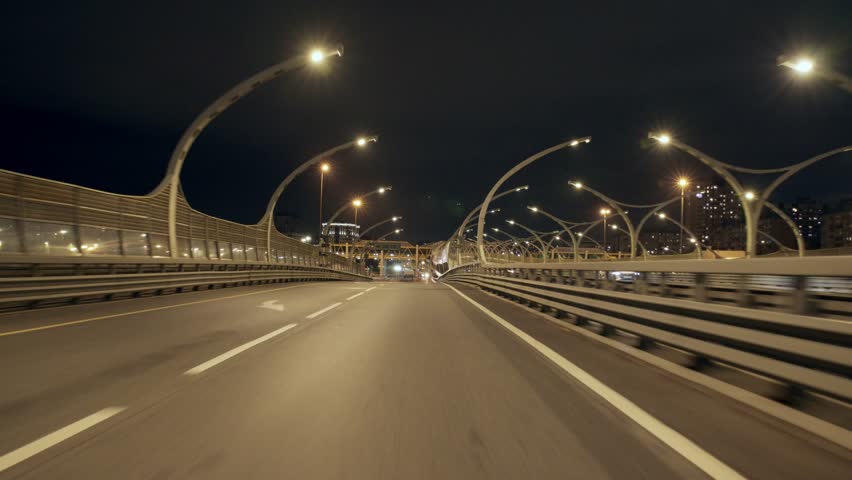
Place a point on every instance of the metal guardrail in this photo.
(819, 286)
(42, 217)
(42, 281)
(805, 353)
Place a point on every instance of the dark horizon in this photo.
(98, 96)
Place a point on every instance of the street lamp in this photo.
(268, 217)
(380, 191)
(324, 168)
(391, 219)
(604, 212)
(357, 204)
(682, 183)
(520, 166)
(807, 66)
(171, 182)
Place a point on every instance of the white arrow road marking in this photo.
(33, 448)
(272, 305)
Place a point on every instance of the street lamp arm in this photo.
(176, 161)
(794, 169)
(616, 206)
(688, 231)
(349, 204)
(532, 232)
(800, 242)
(775, 241)
(651, 213)
(276, 195)
(391, 219)
(473, 212)
(520, 166)
(388, 234)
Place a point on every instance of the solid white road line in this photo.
(17, 456)
(320, 312)
(236, 351)
(371, 288)
(680, 444)
(354, 296)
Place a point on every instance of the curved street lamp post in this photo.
(480, 229)
(172, 178)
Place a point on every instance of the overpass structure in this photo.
(240, 354)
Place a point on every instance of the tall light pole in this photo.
(269, 216)
(172, 178)
(480, 229)
(682, 183)
(324, 168)
(357, 204)
(604, 213)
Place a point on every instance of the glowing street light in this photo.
(324, 168)
(357, 204)
(362, 141)
(171, 182)
(807, 66)
(682, 183)
(749, 195)
(664, 138)
(317, 56)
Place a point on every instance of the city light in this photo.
(395, 219)
(682, 182)
(361, 141)
(575, 143)
(580, 234)
(614, 227)
(397, 268)
(664, 138)
(357, 202)
(749, 195)
(381, 190)
(510, 222)
(578, 185)
(661, 215)
(325, 167)
(534, 209)
(397, 230)
(605, 211)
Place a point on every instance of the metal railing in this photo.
(41, 217)
(786, 321)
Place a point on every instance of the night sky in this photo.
(98, 93)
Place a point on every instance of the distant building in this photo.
(341, 233)
(662, 243)
(715, 215)
(807, 214)
(836, 226)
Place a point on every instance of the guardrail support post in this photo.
(700, 288)
(743, 295)
(800, 301)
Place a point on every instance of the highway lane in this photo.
(405, 381)
(132, 348)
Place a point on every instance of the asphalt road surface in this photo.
(360, 381)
